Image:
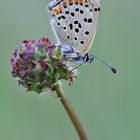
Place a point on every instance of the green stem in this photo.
(71, 113)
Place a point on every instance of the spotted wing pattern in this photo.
(74, 22)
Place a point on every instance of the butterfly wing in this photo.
(74, 22)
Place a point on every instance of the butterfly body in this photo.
(74, 23)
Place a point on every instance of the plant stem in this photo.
(71, 113)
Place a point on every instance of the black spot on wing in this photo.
(71, 26)
(81, 12)
(76, 9)
(85, 20)
(82, 42)
(76, 22)
(75, 38)
(67, 12)
(76, 30)
(86, 5)
(89, 20)
(59, 18)
(87, 32)
(79, 25)
(63, 17)
(68, 36)
(72, 14)
(64, 28)
(97, 9)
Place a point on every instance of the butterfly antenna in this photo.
(111, 68)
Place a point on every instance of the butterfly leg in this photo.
(76, 67)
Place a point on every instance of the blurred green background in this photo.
(107, 104)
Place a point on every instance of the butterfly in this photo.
(74, 23)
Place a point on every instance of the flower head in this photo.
(40, 64)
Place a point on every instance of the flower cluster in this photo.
(40, 64)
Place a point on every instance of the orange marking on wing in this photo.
(57, 10)
(64, 4)
(60, 9)
(53, 11)
(70, 2)
(76, 1)
(81, 2)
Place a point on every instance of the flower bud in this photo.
(38, 65)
